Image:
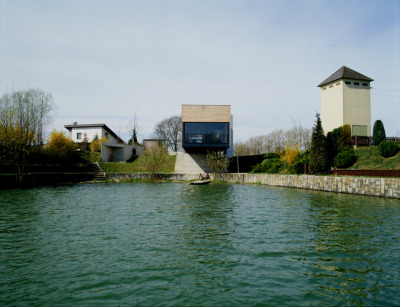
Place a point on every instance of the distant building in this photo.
(346, 99)
(91, 131)
(114, 149)
(204, 128)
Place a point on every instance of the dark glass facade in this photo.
(205, 135)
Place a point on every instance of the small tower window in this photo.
(356, 83)
(365, 84)
(348, 82)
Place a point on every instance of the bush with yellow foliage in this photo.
(289, 155)
(59, 144)
(95, 145)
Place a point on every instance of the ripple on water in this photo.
(178, 244)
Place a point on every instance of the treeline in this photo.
(275, 141)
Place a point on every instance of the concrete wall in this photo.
(120, 152)
(332, 106)
(373, 186)
(357, 105)
(343, 104)
(191, 163)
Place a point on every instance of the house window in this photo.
(79, 136)
(206, 133)
(356, 83)
(330, 86)
(324, 88)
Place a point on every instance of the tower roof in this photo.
(345, 72)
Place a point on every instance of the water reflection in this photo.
(351, 237)
(205, 213)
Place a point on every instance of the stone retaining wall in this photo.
(373, 186)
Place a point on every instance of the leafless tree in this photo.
(169, 130)
(133, 130)
(23, 119)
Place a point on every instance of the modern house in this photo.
(204, 128)
(114, 149)
(346, 99)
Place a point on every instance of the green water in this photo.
(175, 244)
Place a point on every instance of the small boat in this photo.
(200, 182)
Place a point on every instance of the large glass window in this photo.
(206, 133)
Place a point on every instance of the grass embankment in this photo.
(137, 166)
(370, 158)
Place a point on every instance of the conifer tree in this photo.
(379, 134)
(318, 152)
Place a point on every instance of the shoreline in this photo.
(369, 186)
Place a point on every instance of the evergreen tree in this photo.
(379, 134)
(318, 153)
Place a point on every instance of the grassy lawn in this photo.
(370, 158)
(91, 156)
(137, 166)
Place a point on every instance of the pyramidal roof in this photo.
(345, 72)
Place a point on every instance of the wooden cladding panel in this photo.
(206, 113)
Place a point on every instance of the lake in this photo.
(174, 244)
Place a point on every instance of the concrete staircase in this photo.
(98, 174)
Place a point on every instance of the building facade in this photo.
(346, 99)
(80, 132)
(204, 128)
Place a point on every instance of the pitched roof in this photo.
(345, 72)
(69, 128)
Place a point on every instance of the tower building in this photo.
(346, 99)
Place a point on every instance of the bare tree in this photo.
(133, 130)
(169, 130)
(23, 118)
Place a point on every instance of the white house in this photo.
(114, 149)
(346, 99)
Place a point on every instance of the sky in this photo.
(107, 61)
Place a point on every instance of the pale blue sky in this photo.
(104, 60)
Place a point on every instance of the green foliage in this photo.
(370, 158)
(298, 166)
(272, 165)
(271, 155)
(318, 152)
(337, 140)
(378, 134)
(345, 158)
(388, 148)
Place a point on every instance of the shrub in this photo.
(95, 145)
(388, 148)
(272, 166)
(345, 158)
(59, 144)
(318, 152)
(378, 134)
(271, 155)
(298, 166)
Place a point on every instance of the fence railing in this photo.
(364, 141)
(367, 172)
